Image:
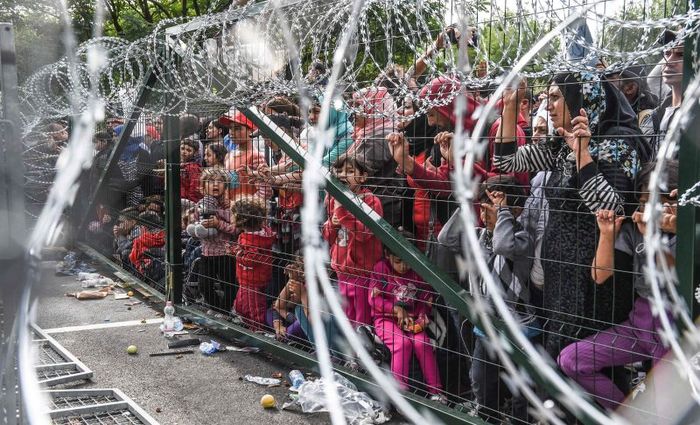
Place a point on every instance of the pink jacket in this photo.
(388, 288)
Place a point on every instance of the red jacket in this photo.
(421, 206)
(189, 181)
(141, 244)
(354, 248)
(254, 258)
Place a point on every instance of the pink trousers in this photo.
(355, 291)
(402, 345)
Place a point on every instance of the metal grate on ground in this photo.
(54, 364)
(95, 406)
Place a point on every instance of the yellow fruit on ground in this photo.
(267, 401)
(130, 293)
(132, 349)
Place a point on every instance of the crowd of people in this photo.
(560, 219)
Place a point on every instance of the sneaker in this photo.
(439, 398)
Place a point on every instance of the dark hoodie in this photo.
(571, 298)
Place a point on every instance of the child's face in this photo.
(314, 114)
(351, 176)
(240, 134)
(214, 187)
(186, 153)
(488, 214)
(638, 215)
(212, 131)
(398, 265)
(210, 158)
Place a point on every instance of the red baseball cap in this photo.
(236, 118)
(151, 131)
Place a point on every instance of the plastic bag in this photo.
(209, 348)
(358, 407)
(262, 381)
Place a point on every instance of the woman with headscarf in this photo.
(372, 152)
(594, 155)
(338, 123)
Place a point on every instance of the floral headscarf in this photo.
(583, 90)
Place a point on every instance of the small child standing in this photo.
(639, 337)
(216, 265)
(400, 303)
(253, 260)
(147, 253)
(354, 248)
(508, 248)
(190, 170)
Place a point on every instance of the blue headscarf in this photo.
(338, 119)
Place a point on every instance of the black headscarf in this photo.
(609, 112)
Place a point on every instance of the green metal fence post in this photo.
(173, 223)
(688, 238)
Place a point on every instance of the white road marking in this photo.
(105, 325)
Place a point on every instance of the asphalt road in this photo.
(194, 389)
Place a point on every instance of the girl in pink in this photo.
(400, 304)
(354, 249)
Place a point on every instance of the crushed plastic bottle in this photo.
(359, 408)
(262, 381)
(296, 378)
(209, 348)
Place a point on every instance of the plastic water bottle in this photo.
(297, 378)
(169, 318)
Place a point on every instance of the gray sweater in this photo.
(509, 250)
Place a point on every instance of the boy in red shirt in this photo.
(253, 260)
(190, 171)
(354, 249)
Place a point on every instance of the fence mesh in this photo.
(558, 191)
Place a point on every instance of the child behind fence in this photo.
(639, 337)
(354, 249)
(508, 248)
(400, 305)
(216, 267)
(190, 170)
(253, 260)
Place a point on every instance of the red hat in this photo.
(444, 90)
(236, 118)
(151, 131)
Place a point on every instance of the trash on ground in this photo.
(91, 295)
(184, 343)
(296, 378)
(70, 266)
(171, 323)
(209, 348)
(171, 353)
(88, 276)
(141, 330)
(158, 410)
(120, 296)
(262, 381)
(359, 408)
(268, 401)
(132, 303)
(278, 375)
(130, 293)
(132, 349)
(97, 283)
(243, 349)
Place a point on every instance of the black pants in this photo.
(490, 390)
(217, 281)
